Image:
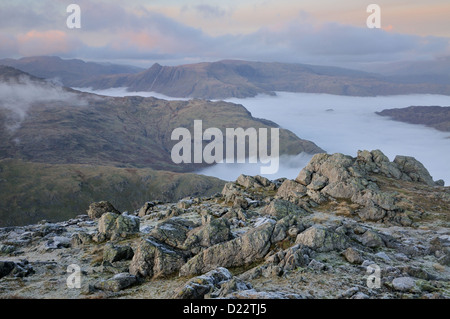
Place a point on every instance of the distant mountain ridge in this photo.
(240, 79)
(71, 72)
(434, 71)
(437, 117)
(230, 78)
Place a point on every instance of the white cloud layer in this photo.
(344, 124)
(340, 124)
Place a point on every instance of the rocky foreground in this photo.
(346, 227)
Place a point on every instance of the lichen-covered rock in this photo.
(58, 242)
(440, 247)
(146, 209)
(375, 204)
(96, 210)
(254, 294)
(316, 265)
(353, 256)
(291, 258)
(256, 182)
(372, 239)
(107, 223)
(332, 175)
(198, 287)
(7, 249)
(80, 238)
(292, 191)
(184, 203)
(414, 170)
(153, 259)
(16, 269)
(403, 283)
(127, 224)
(280, 208)
(6, 267)
(321, 239)
(230, 191)
(114, 226)
(337, 176)
(287, 226)
(117, 283)
(240, 251)
(173, 231)
(113, 253)
(376, 162)
(317, 182)
(216, 230)
(304, 177)
(231, 286)
(381, 199)
(187, 235)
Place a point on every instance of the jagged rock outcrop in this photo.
(198, 287)
(338, 176)
(318, 236)
(117, 282)
(154, 260)
(113, 253)
(15, 269)
(279, 208)
(112, 225)
(321, 239)
(256, 182)
(243, 250)
(96, 210)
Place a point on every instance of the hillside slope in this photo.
(68, 71)
(49, 124)
(30, 192)
(437, 117)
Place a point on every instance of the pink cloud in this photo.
(43, 42)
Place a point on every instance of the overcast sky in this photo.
(173, 31)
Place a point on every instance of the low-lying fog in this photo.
(18, 98)
(341, 124)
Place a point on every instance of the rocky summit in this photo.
(346, 227)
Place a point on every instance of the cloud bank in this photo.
(340, 124)
(343, 124)
(112, 31)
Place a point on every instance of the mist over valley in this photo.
(338, 124)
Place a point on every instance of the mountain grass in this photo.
(30, 192)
